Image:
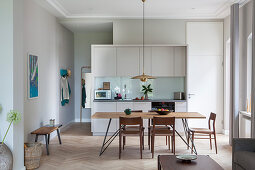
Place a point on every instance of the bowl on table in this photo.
(163, 112)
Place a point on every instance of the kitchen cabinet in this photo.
(163, 61)
(128, 61)
(99, 126)
(179, 61)
(147, 61)
(104, 61)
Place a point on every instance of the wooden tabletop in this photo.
(202, 162)
(44, 130)
(147, 115)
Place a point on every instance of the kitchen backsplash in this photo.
(163, 88)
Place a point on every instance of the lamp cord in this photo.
(143, 35)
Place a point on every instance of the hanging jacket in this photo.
(65, 91)
(83, 95)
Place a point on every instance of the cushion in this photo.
(245, 159)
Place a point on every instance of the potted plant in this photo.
(146, 90)
(6, 159)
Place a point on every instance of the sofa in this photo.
(243, 154)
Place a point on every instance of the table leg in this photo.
(47, 145)
(48, 138)
(59, 139)
(159, 167)
(188, 135)
(109, 141)
(36, 138)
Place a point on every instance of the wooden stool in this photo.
(46, 131)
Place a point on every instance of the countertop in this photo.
(150, 100)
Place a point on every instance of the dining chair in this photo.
(163, 126)
(203, 133)
(131, 126)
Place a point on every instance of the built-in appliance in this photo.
(103, 94)
(163, 105)
(179, 96)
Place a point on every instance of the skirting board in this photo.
(83, 120)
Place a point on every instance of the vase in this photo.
(146, 97)
(6, 159)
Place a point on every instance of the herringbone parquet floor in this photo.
(80, 150)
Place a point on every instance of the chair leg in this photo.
(215, 143)
(124, 141)
(172, 144)
(210, 136)
(141, 145)
(149, 137)
(166, 140)
(143, 140)
(169, 143)
(152, 144)
(192, 142)
(120, 136)
(188, 139)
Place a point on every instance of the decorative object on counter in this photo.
(179, 96)
(6, 158)
(65, 87)
(143, 77)
(147, 90)
(52, 122)
(106, 85)
(118, 96)
(33, 153)
(128, 111)
(33, 76)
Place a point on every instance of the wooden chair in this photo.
(205, 132)
(130, 127)
(163, 130)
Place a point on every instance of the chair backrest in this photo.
(212, 119)
(131, 121)
(136, 111)
(164, 121)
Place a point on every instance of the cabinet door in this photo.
(121, 106)
(100, 125)
(128, 61)
(147, 60)
(180, 107)
(163, 61)
(179, 61)
(104, 61)
(145, 107)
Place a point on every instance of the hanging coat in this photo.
(83, 96)
(65, 91)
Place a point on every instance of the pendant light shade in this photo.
(143, 77)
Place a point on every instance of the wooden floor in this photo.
(80, 150)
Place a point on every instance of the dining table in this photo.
(184, 116)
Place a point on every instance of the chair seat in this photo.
(162, 131)
(201, 130)
(130, 130)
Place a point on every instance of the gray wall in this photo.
(54, 45)
(82, 53)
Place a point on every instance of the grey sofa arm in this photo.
(243, 144)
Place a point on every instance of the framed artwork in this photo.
(33, 77)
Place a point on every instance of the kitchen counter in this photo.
(150, 100)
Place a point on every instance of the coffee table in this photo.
(203, 162)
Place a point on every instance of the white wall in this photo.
(53, 44)
(11, 86)
(82, 51)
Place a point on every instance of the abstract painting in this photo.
(33, 76)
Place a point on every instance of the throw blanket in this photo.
(65, 91)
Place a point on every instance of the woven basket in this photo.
(33, 152)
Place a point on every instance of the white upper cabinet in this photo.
(179, 61)
(147, 60)
(104, 61)
(128, 61)
(163, 61)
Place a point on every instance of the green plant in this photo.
(12, 117)
(147, 89)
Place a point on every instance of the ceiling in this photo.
(163, 9)
(97, 15)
